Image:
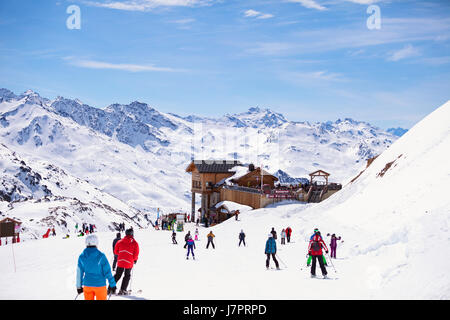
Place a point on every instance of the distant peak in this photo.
(30, 92)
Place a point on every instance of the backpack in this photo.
(315, 246)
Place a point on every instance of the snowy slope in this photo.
(395, 232)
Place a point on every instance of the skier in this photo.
(283, 236)
(237, 214)
(186, 238)
(333, 245)
(191, 246)
(92, 272)
(271, 249)
(174, 235)
(315, 251)
(76, 227)
(196, 234)
(242, 238)
(53, 232)
(308, 263)
(316, 230)
(288, 234)
(118, 237)
(210, 239)
(274, 233)
(127, 250)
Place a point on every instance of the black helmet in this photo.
(129, 232)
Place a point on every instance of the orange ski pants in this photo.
(95, 293)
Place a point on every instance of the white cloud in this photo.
(353, 36)
(311, 77)
(93, 64)
(406, 52)
(364, 2)
(311, 4)
(145, 5)
(183, 21)
(256, 14)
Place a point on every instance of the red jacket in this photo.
(317, 251)
(288, 231)
(127, 251)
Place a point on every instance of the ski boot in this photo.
(123, 293)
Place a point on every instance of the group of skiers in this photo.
(93, 268)
(85, 229)
(315, 253)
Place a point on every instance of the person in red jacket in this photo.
(315, 251)
(127, 251)
(288, 234)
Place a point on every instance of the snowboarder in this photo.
(191, 246)
(274, 233)
(315, 251)
(242, 238)
(210, 236)
(271, 249)
(118, 237)
(196, 234)
(127, 250)
(283, 236)
(288, 234)
(186, 238)
(174, 235)
(92, 272)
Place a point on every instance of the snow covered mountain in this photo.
(139, 154)
(43, 196)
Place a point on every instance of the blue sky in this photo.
(313, 60)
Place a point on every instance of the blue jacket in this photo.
(93, 269)
(271, 246)
(191, 243)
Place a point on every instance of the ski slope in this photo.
(393, 218)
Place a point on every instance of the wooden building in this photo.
(253, 179)
(205, 175)
(10, 228)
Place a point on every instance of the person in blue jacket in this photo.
(92, 272)
(271, 249)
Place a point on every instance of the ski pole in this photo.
(331, 262)
(281, 260)
(77, 296)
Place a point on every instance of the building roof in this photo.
(257, 171)
(319, 173)
(213, 166)
(7, 220)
